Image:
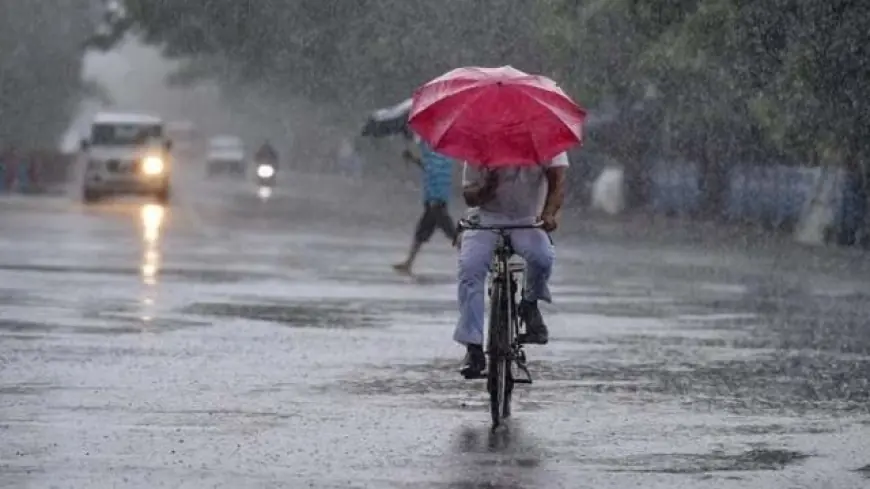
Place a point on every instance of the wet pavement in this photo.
(238, 342)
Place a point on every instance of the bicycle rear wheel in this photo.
(499, 379)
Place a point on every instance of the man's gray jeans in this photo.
(475, 256)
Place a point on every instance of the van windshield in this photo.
(124, 134)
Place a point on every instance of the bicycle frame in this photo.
(504, 276)
(503, 347)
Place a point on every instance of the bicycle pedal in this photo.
(525, 370)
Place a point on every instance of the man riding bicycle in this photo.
(508, 196)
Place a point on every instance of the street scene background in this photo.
(709, 323)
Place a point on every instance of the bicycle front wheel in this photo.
(499, 380)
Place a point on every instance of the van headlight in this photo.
(152, 165)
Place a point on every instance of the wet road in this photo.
(232, 342)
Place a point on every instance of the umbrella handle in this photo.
(410, 158)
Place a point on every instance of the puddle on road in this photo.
(122, 321)
(110, 325)
(770, 384)
(26, 389)
(777, 429)
(670, 307)
(809, 322)
(387, 277)
(15, 297)
(138, 326)
(775, 348)
(176, 420)
(751, 460)
(209, 276)
(333, 315)
(406, 386)
(425, 308)
(36, 389)
(14, 326)
(657, 342)
(514, 446)
(480, 458)
(435, 384)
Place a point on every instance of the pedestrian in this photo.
(10, 161)
(349, 160)
(437, 185)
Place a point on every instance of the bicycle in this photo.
(503, 331)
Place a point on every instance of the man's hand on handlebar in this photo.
(549, 222)
(469, 224)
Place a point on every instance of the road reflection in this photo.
(503, 459)
(152, 216)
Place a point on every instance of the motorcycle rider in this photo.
(267, 154)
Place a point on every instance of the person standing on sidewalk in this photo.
(437, 186)
(349, 161)
(9, 168)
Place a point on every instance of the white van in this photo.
(126, 153)
(226, 155)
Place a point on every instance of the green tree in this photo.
(40, 68)
(779, 76)
(348, 53)
(737, 80)
(725, 80)
(596, 48)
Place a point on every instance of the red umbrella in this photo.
(496, 116)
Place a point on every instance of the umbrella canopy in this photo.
(496, 116)
(388, 121)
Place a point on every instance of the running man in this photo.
(437, 186)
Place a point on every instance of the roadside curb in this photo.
(42, 201)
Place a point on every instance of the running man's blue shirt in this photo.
(437, 175)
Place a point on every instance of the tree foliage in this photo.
(793, 67)
(40, 68)
(726, 79)
(734, 80)
(353, 53)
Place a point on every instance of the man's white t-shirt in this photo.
(521, 192)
